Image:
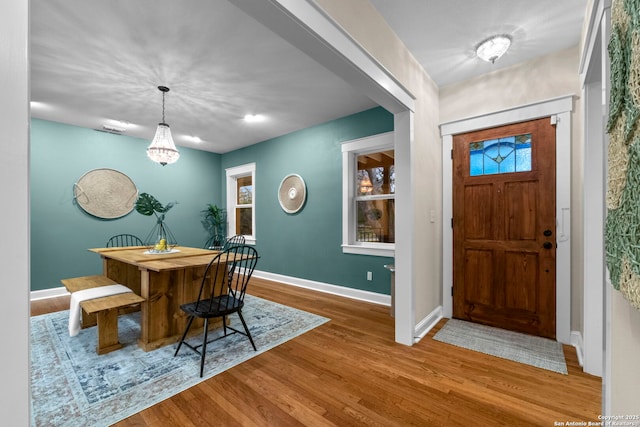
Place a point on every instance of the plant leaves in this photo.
(166, 208)
(148, 205)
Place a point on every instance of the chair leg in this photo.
(247, 330)
(204, 345)
(184, 335)
(224, 325)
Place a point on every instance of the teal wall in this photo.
(308, 244)
(61, 232)
(304, 245)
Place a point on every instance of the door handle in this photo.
(547, 245)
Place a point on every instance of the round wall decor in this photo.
(105, 193)
(292, 193)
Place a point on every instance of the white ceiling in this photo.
(95, 61)
(442, 34)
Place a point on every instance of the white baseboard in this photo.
(48, 293)
(342, 291)
(576, 341)
(426, 324)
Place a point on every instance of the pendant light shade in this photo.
(162, 149)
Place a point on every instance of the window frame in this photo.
(233, 174)
(350, 152)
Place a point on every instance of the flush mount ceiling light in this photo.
(253, 118)
(493, 48)
(116, 126)
(162, 149)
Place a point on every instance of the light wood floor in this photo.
(350, 371)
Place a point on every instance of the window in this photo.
(241, 201)
(503, 155)
(375, 192)
(368, 212)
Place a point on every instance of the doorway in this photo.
(559, 110)
(504, 246)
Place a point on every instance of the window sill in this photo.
(383, 250)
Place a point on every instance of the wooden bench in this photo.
(103, 311)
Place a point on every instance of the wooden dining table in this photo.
(165, 281)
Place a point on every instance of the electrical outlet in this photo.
(369, 275)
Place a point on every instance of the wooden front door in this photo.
(504, 234)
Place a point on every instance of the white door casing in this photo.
(559, 109)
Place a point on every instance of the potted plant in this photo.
(214, 221)
(160, 236)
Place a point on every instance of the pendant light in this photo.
(162, 149)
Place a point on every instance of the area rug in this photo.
(72, 386)
(531, 350)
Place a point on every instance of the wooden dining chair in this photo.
(221, 294)
(123, 240)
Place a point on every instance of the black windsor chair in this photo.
(123, 240)
(219, 243)
(222, 292)
(237, 240)
(214, 243)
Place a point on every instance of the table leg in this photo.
(144, 309)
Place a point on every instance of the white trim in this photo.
(560, 108)
(241, 170)
(15, 76)
(607, 375)
(531, 111)
(48, 293)
(592, 32)
(593, 213)
(233, 173)
(563, 227)
(576, 341)
(370, 249)
(326, 288)
(404, 227)
(426, 324)
(350, 150)
(595, 74)
(607, 379)
(447, 230)
(369, 144)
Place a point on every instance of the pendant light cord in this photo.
(163, 107)
(164, 90)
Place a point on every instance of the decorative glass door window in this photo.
(503, 155)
